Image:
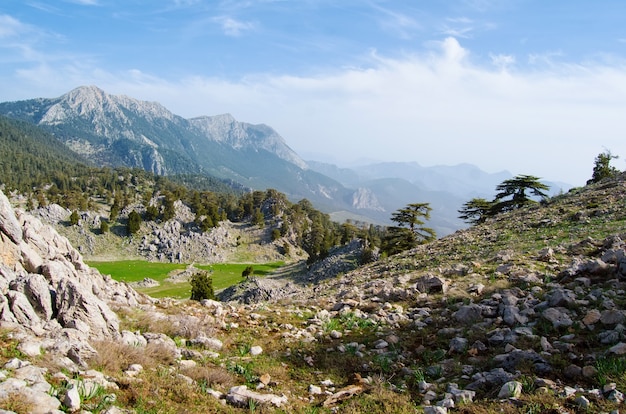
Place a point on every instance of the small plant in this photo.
(244, 370)
(610, 369)
(251, 405)
(384, 363)
(243, 349)
(418, 375)
(332, 324)
(94, 396)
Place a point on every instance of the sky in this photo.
(529, 86)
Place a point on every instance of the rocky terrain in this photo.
(525, 313)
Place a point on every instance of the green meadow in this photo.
(223, 274)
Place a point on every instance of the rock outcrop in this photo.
(46, 290)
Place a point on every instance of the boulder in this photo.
(78, 308)
(432, 284)
(468, 314)
(9, 224)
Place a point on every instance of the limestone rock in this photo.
(240, 396)
(8, 221)
(512, 389)
(468, 314)
(81, 310)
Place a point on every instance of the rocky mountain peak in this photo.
(226, 129)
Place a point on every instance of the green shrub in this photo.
(134, 222)
(201, 286)
(74, 218)
(247, 272)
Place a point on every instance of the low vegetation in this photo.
(223, 275)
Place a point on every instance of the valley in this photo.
(521, 311)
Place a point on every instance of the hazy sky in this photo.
(531, 86)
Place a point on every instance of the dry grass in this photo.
(15, 402)
(170, 322)
(114, 357)
(213, 377)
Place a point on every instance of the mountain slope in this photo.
(114, 130)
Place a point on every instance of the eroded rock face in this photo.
(47, 291)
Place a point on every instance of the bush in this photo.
(134, 222)
(104, 227)
(247, 272)
(201, 286)
(74, 218)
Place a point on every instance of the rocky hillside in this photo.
(522, 314)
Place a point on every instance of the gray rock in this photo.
(511, 316)
(558, 317)
(40, 402)
(164, 341)
(133, 339)
(9, 224)
(561, 298)
(468, 314)
(433, 409)
(511, 389)
(458, 345)
(31, 374)
(240, 396)
(256, 350)
(335, 334)
(71, 400)
(619, 349)
(22, 310)
(432, 284)
(30, 348)
(582, 402)
(80, 309)
(612, 317)
(314, 390)
(37, 290)
(208, 343)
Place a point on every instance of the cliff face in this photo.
(45, 287)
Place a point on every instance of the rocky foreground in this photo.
(524, 314)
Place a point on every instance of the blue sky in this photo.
(531, 86)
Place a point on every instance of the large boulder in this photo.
(80, 309)
(8, 222)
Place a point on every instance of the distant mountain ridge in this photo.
(111, 130)
(116, 130)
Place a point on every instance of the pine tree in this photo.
(602, 167)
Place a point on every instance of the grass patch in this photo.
(223, 274)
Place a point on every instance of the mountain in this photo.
(110, 130)
(114, 130)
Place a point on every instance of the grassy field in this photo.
(224, 275)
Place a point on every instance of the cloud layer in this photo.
(530, 114)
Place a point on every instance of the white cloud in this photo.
(502, 62)
(400, 24)
(232, 27)
(433, 108)
(85, 2)
(11, 27)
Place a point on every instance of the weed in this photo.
(384, 362)
(243, 349)
(251, 405)
(611, 369)
(246, 371)
(418, 375)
